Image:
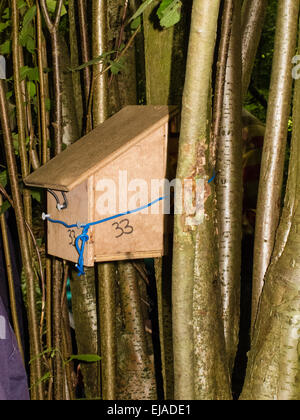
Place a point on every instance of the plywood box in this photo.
(113, 170)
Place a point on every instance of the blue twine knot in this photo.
(84, 238)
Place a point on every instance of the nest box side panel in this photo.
(61, 241)
(124, 185)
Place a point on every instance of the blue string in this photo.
(212, 178)
(84, 237)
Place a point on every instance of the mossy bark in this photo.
(158, 44)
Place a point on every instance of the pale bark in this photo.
(229, 190)
(273, 369)
(270, 186)
(100, 92)
(70, 112)
(253, 16)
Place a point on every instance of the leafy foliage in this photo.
(169, 13)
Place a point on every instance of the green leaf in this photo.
(48, 104)
(141, 9)
(6, 13)
(21, 4)
(29, 16)
(136, 23)
(169, 12)
(100, 59)
(116, 66)
(5, 48)
(31, 89)
(30, 44)
(23, 72)
(33, 74)
(3, 178)
(36, 195)
(51, 4)
(5, 206)
(4, 25)
(88, 358)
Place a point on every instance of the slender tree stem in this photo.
(270, 186)
(100, 87)
(253, 16)
(84, 48)
(192, 162)
(220, 77)
(42, 107)
(74, 59)
(229, 190)
(53, 29)
(20, 99)
(273, 362)
(107, 304)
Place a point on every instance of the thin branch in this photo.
(220, 77)
(52, 26)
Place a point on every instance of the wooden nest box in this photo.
(106, 175)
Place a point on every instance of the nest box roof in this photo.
(102, 145)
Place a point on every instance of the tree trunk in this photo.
(100, 91)
(271, 175)
(107, 324)
(84, 305)
(158, 44)
(194, 274)
(273, 369)
(253, 16)
(229, 190)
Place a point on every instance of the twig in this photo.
(95, 76)
(123, 25)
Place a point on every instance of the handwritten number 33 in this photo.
(124, 230)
